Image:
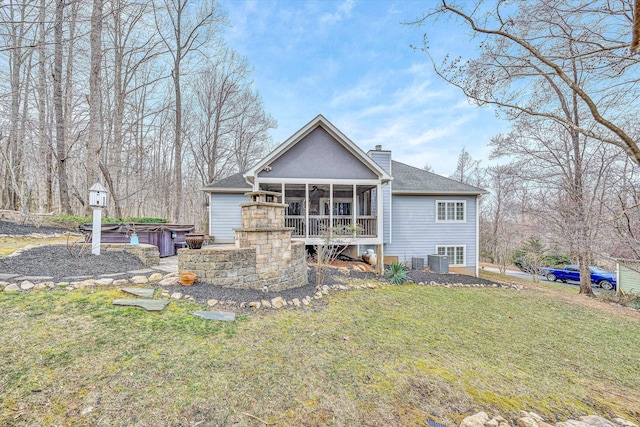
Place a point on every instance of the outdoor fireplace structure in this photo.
(264, 254)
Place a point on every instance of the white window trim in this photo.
(464, 254)
(452, 221)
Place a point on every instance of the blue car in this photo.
(599, 276)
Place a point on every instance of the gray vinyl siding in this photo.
(629, 278)
(225, 216)
(318, 155)
(383, 158)
(417, 234)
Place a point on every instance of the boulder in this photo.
(26, 285)
(155, 277)
(12, 287)
(476, 420)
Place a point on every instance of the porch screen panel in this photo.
(366, 210)
(343, 209)
(294, 196)
(319, 209)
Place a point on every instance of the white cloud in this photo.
(343, 10)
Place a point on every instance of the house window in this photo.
(454, 253)
(342, 208)
(451, 211)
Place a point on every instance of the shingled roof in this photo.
(406, 180)
(231, 184)
(410, 180)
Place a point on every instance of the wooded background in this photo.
(144, 97)
(147, 98)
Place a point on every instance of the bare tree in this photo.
(467, 169)
(541, 46)
(61, 142)
(185, 35)
(557, 65)
(499, 214)
(94, 139)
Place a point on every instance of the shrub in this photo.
(397, 274)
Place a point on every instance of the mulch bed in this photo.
(58, 262)
(15, 229)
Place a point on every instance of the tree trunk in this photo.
(94, 140)
(61, 144)
(45, 143)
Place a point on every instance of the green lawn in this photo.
(385, 357)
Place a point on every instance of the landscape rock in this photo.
(317, 295)
(12, 287)
(139, 280)
(624, 423)
(476, 420)
(296, 302)
(39, 286)
(85, 284)
(595, 421)
(104, 282)
(169, 281)
(278, 302)
(526, 422)
(176, 295)
(572, 423)
(155, 277)
(265, 303)
(26, 285)
(120, 282)
(212, 302)
(255, 304)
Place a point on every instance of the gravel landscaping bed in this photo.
(15, 229)
(56, 261)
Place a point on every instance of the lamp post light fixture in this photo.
(97, 200)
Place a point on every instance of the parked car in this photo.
(599, 276)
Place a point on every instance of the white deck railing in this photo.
(367, 225)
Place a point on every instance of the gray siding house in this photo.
(328, 181)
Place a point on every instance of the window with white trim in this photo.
(451, 211)
(456, 254)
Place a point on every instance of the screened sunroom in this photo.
(316, 208)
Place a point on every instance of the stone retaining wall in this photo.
(232, 267)
(264, 255)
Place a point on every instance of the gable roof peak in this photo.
(333, 131)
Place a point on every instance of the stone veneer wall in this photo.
(264, 254)
(231, 267)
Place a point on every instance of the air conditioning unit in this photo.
(438, 263)
(417, 263)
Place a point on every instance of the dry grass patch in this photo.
(386, 357)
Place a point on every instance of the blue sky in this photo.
(351, 61)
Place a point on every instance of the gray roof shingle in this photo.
(235, 181)
(407, 179)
